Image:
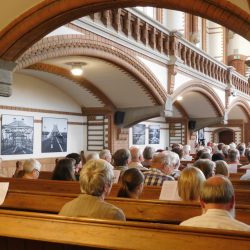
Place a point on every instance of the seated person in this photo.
(132, 184)
(163, 165)
(206, 166)
(96, 179)
(189, 184)
(247, 154)
(217, 202)
(121, 158)
(136, 158)
(105, 155)
(148, 153)
(217, 157)
(92, 156)
(77, 165)
(221, 168)
(64, 170)
(31, 169)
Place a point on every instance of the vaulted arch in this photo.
(50, 47)
(242, 104)
(202, 88)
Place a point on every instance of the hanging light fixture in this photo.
(76, 68)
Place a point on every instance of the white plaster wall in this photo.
(174, 20)
(164, 134)
(238, 45)
(215, 40)
(180, 79)
(62, 31)
(159, 71)
(221, 94)
(29, 92)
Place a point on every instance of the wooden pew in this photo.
(41, 231)
(242, 194)
(172, 212)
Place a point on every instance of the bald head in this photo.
(217, 190)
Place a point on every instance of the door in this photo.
(226, 136)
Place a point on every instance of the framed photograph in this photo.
(154, 134)
(54, 135)
(17, 135)
(139, 134)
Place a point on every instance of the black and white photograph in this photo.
(139, 134)
(17, 135)
(154, 134)
(54, 135)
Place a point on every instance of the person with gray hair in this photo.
(136, 158)
(105, 155)
(148, 153)
(206, 166)
(92, 156)
(217, 202)
(96, 179)
(164, 164)
(31, 169)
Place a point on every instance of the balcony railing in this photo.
(135, 25)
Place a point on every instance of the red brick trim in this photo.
(207, 92)
(82, 82)
(244, 105)
(95, 46)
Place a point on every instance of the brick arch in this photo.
(207, 92)
(244, 105)
(77, 45)
(48, 15)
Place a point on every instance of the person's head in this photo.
(166, 161)
(186, 149)
(64, 170)
(217, 192)
(78, 161)
(206, 166)
(132, 184)
(148, 153)
(247, 154)
(217, 157)
(233, 155)
(220, 146)
(178, 151)
(225, 149)
(189, 183)
(136, 155)
(105, 155)
(205, 155)
(232, 145)
(31, 168)
(241, 147)
(92, 156)
(96, 178)
(221, 168)
(121, 157)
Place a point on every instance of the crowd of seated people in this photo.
(208, 172)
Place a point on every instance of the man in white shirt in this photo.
(217, 202)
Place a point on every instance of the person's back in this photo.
(64, 170)
(132, 184)
(217, 202)
(96, 180)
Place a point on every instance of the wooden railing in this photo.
(141, 29)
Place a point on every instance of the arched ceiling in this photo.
(98, 87)
(237, 113)
(189, 103)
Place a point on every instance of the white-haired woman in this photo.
(96, 179)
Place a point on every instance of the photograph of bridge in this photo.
(17, 135)
(54, 135)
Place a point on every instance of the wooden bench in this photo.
(29, 231)
(172, 212)
(242, 194)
